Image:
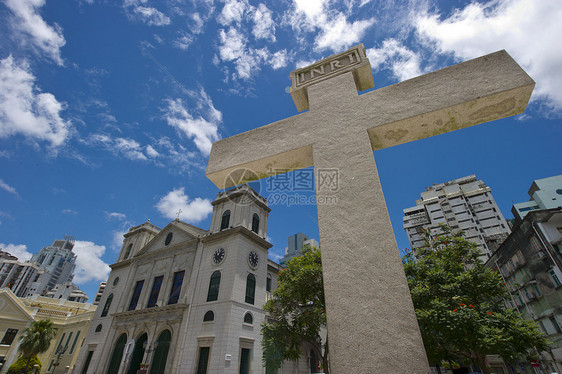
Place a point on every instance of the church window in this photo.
(209, 316)
(203, 360)
(9, 336)
(248, 318)
(107, 305)
(155, 291)
(128, 251)
(250, 288)
(74, 342)
(116, 281)
(168, 238)
(225, 220)
(268, 283)
(255, 223)
(98, 328)
(136, 295)
(176, 287)
(214, 286)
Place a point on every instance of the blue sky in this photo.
(108, 109)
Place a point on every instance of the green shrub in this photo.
(18, 367)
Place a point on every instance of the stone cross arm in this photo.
(473, 92)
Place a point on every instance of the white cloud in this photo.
(233, 11)
(279, 59)
(528, 30)
(8, 188)
(338, 34)
(332, 28)
(192, 211)
(264, 26)
(48, 39)
(233, 44)
(129, 148)
(18, 250)
(89, 265)
(199, 122)
(392, 55)
(183, 41)
(26, 111)
(115, 215)
(69, 211)
(151, 151)
(149, 15)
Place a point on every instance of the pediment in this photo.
(12, 308)
(181, 233)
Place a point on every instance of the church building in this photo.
(186, 300)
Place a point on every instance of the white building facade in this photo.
(544, 193)
(186, 300)
(463, 204)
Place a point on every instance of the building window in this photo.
(67, 341)
(555, 324)
(255, 223)
(59, 346)
(107, 305)
(248, 318)
(245, 361)
(98, 328)
(87, 363)
(203, 360)
(268, 283)
(128, 252)
(155, 291)
(136, 295)
(250, 288)
(225, 220)
(209, 316)
(168, 238)
(554, 278)
(74, 343)
(176, 287)
(116, 356)
(9, 336)
(214, 286)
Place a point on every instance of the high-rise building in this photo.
(67, 291)
(18, 276)
(295, 244)
(99, 294)
(544, 193)
(58, 262)
(462, 204)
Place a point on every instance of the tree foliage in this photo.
(459, 306)
(20, 365)
(36, 339)
(297, 310)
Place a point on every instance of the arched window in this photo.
(248, 318)
(250, 288)
(168, 238)
(209, 316)
(117, 354)
(225, 219)
(98, 328)
(128, 252)
(161, 353)
(107, 305)
(214, 286)
(255, 223)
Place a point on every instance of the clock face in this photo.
(218, 256)
(253, 259)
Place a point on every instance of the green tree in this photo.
(297, 310)
(459, 305)
(36, 339)
(20, 365)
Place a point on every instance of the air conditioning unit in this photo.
(540, 254)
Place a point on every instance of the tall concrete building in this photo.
(463, 204)
(295, 244)
(544, 193)
(58, 262)
(18, 276)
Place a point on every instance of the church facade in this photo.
(186, 300)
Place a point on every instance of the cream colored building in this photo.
(72, 320)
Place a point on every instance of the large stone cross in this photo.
(371, 321)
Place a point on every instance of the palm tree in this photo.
(36, 339)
